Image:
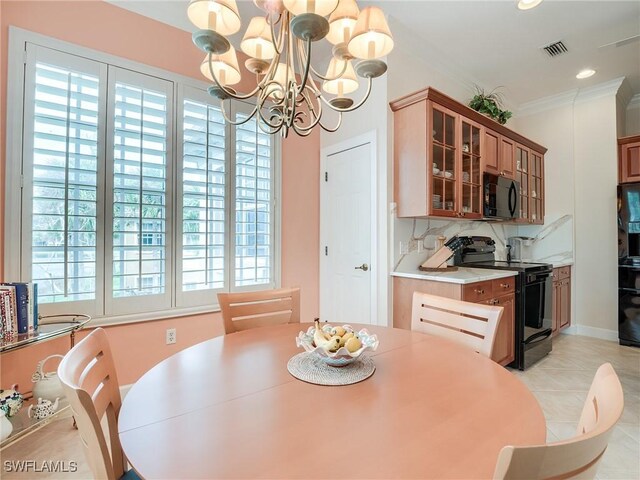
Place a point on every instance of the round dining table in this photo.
(229, 408)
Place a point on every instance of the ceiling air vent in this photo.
(555, 49)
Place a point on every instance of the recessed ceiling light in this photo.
(586, 73)
(528, 4)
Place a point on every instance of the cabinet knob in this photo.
(505, 285)
(479, 291)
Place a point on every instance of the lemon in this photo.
(353, 344)
(345, 338)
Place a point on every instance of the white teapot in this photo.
(47, 385)
(6, 427)
(43, 409)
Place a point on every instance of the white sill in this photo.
(151, 316)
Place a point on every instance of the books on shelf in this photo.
(18, 309)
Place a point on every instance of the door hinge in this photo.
(21, 181)
(326, 176)
(326, 251)
(25, 56)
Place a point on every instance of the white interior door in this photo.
(346, 212)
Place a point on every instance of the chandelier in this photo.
(289, 93)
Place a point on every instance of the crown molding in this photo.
(624, 94)
(571, 97)
(634, 102)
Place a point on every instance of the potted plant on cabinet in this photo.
(490, 104)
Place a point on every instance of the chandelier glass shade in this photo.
(289, 93)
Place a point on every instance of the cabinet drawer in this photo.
(564, 272)
(477, 292)
(504, 286)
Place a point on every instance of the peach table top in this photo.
(228, 408)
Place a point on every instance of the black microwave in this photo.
(501, 197)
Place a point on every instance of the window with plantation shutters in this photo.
(203, 197)
(253, 205)
(63, 99)
(138, 176)
(132, 197)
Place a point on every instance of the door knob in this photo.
(364, 267)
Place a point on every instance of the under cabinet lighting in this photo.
(528, 4)
(586, 73)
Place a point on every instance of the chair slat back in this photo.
(470, 324)
(244, 310)
(579, 456)
(90, 383)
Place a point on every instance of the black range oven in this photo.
(533, 299)
(536, 303)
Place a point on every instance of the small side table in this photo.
(49, 328)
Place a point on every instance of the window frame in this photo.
(16, 178)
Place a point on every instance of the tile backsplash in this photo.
(552, 242)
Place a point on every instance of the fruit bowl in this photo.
(342, 356)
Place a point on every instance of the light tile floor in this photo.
(560, 382)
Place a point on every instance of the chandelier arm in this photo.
(304, 59)
(353, 107)
(259, 109)
(305, 76)
(305, 133)
(276, 45)
(316, 115)
(275, 126)
(268, 131)
(225, 90)
(231, 122)
(334, 129)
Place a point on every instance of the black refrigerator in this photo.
(629, 264)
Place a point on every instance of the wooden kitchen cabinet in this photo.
(561, 299)
(629, 159)
(530, 175)
(492, 292)
(507, 157)
(504, 346)
(441, 150)
(499, 154)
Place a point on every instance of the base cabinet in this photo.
(504, 348)
(561, 299)
(493, 292)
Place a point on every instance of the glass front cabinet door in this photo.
(470, 171)
(523, 175)
(537, 188)
(443, 146)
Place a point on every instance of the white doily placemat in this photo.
(309, 368)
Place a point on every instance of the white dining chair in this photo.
(244, 310)
(471, 324)
(90, 383)
(579, 456)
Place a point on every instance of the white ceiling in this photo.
(493, 42)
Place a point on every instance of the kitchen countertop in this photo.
(461, 276)
(562, 263)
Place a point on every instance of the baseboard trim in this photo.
(594, 332)
(124, 389)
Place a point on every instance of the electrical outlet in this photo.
(171, 336)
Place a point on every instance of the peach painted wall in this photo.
(104, 27)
